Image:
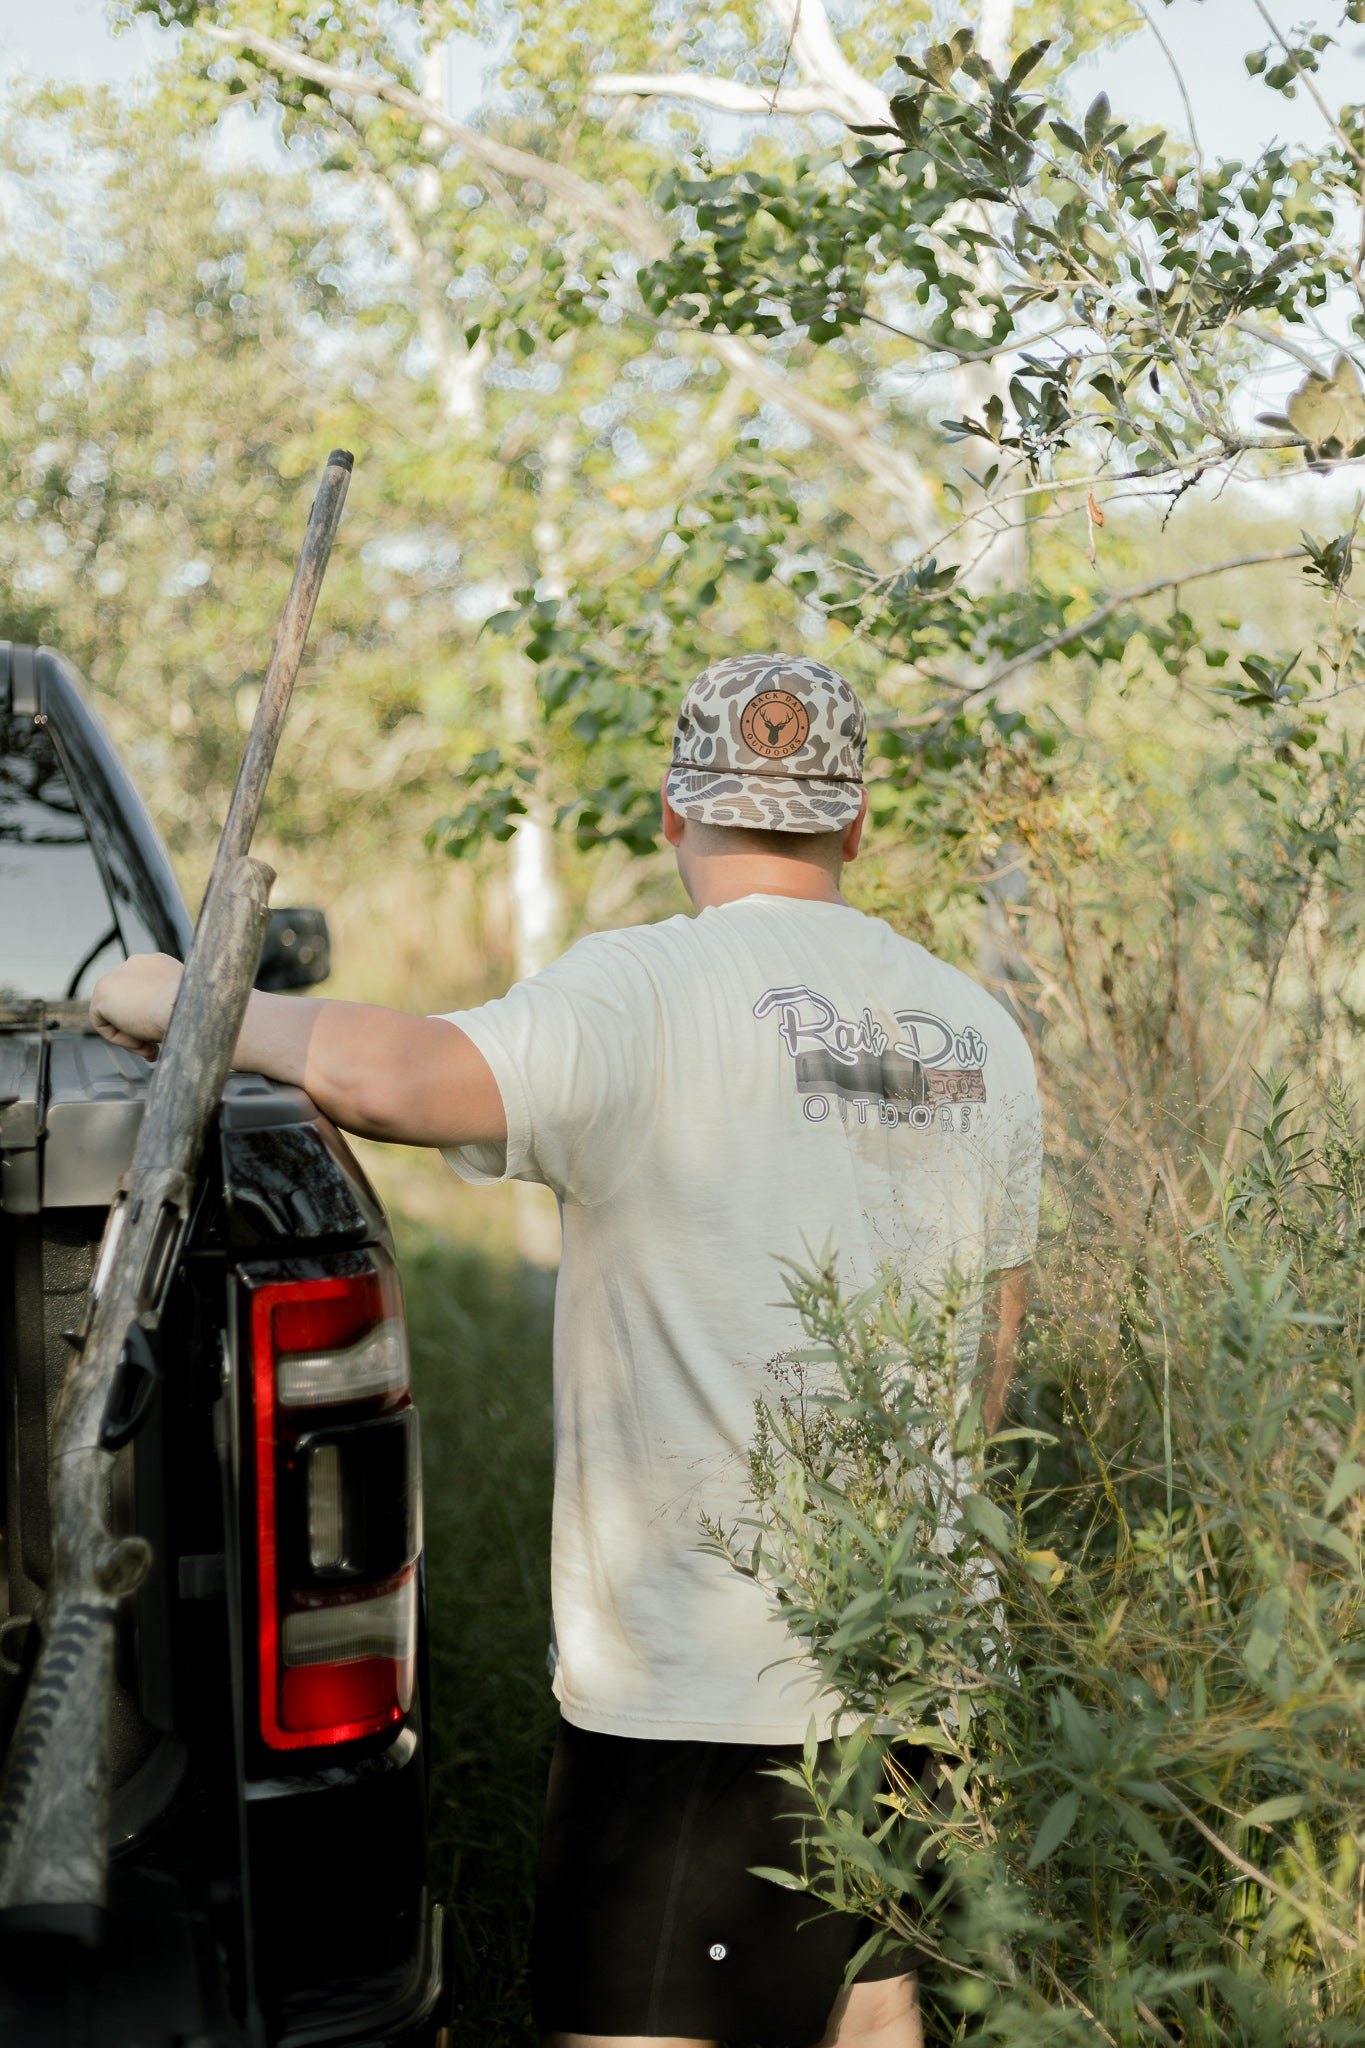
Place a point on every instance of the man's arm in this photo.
(999, 1342)
(378, 1072)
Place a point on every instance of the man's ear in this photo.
(673, 820)
(853, 833)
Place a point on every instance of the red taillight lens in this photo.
(358, 1697)
(337, 1339)
(349, 1663)
(338, 1523)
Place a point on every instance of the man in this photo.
(706, 1096)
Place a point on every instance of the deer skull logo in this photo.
(775, 724)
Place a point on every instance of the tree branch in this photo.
(823, 64)
(1306, 1912)
(1280, 341)
(849, 431)
(725, 93)
(831, 85)
(994, 28)
(630, 220)
(971, 693)
(846, 429)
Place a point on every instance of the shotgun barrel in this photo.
(54, 1792)
(258, 757)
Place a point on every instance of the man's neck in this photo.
(726, 877)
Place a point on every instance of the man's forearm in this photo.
(318, 1045)
(375, 1071)
(1000, 1344)
(275, 1036)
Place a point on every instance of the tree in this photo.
(164, 399)
(1121, 294)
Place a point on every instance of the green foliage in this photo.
(1113, 296)
(1138, 253)
(169, 390)
(1102, 299)
(1132, 1626)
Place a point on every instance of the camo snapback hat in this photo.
(772, 742)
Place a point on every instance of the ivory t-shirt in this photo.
(707, 1097)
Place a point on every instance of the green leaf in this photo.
(788, 1881)
(988, 1521)
(871, 1947)
(1287, 1807)
(1330, 1537)
(1267, 1631)
(1027, 60)
(1329, 412)
(940, 63)
(1143, 1833)
(1057, 1824)
(1087, 1740)
(1097, 120)
(1347, 1479)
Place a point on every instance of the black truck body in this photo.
(268, 1882)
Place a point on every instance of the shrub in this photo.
(1132, 1625)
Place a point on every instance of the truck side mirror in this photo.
(297, 951)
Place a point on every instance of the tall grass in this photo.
(480, 1326)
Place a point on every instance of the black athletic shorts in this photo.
(647, 1919)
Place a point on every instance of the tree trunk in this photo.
(537, 900)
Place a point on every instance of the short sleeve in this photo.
(1013, 1231)
(574, 1054)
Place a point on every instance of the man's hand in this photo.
(132, 1004)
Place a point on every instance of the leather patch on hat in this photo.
(775, 724)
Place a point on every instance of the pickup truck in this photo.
(268, 1827)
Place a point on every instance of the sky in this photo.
(70, 40)
(1233, 113)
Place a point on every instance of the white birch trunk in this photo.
(537, 900)
(994, 27)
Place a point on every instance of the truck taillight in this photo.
(338, 1507)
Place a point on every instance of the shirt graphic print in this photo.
(929, 1074)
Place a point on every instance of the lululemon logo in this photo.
(775, 724)
(717, 1951)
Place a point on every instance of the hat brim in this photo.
(763, 803)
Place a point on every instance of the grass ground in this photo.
(480, 1325)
